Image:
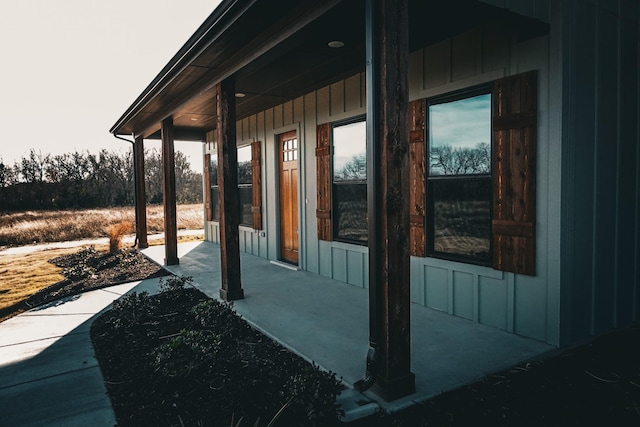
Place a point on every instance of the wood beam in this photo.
(231, 286)
(389, 356)
(169, 193)
(140, 197)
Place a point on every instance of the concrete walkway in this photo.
(48, 373)
(326, 321)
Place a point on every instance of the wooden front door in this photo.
(288, 155)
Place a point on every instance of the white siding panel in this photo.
(352, 93)
(355, 269)
(287, 113)
(493, 302)
(322, 105)
(311, 225)
(278, 116)
(417, 281)
(495, 50)
(416, 72)
(437, 285)
(324, 258)
(339, 264)
(463, 295)
(466, 55)
(436, 64)
(336, 96)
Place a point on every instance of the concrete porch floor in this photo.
(326, 321)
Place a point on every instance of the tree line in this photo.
(84, 180)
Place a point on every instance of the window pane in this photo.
(460, 136)
(213, 170)
(350, 211)
(462, 216)
(350, 152)
(215, 214)
(246, 218)
(244, 165)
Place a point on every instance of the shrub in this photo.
(174, 283)
(116, 233)
(185, 352)
(215, 314)
(131, 309)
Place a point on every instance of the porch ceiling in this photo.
(276, 54)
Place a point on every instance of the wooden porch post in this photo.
(389, 356)
(140, 198)
(169, 193)
(231, 286)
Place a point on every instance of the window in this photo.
(250, 203)
(349, 182)
(244, 185)
(459, 195)
(213, 185)
(472, 175)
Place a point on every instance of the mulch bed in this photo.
(89, 269)
(180, 358)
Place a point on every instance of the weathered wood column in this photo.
(169, 193)
(389, 356)
(231, 286)
(140, 197)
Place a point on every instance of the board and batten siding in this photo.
(595, 57)
(526, 305)
(537, 9)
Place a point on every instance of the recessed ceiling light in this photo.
(240, 95)
(335, 44)
(194, 119)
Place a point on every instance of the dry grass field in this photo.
(23, 228)
(22, 275)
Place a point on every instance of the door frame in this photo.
(301, 206)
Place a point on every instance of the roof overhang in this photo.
(278, 51)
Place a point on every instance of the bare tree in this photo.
(446, 160)
(354, 170)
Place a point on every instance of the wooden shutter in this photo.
(323, 168)
(514, 181)
(256, 184)
(417, 178)
(207, 187)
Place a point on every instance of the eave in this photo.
(278, 53)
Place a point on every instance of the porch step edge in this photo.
(285, 265)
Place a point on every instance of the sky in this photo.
(70, 68)
(463, 123)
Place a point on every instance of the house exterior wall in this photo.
(595, 57)
(537, 9)
(526, 305)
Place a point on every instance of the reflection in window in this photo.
(460, 136)
(462, 217)
(349, 189)
(213, 185)
(244, 186)
(459, 178)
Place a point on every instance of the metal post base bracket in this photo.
(369, 377)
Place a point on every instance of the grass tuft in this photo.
(116, 233)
